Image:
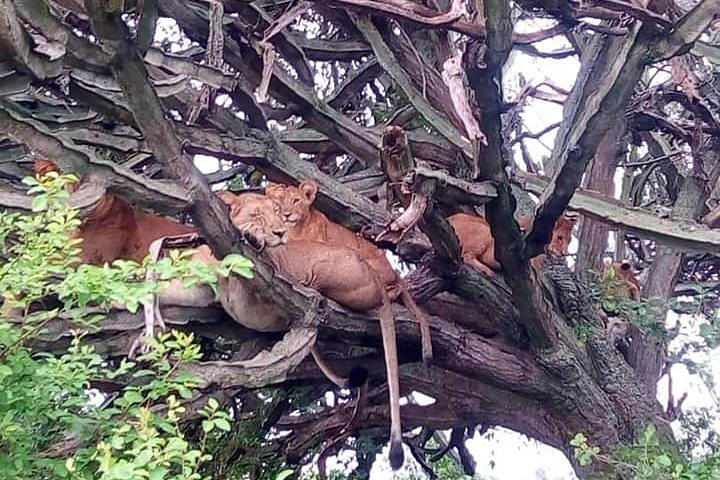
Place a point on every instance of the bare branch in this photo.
(286, 19)
(77, 159)
(575, 147)
(680, 233)
(509, 243)
(408, 10)
(688, 29)
(16, 44)
(584, 130)
(386, 58)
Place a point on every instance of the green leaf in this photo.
(284, 474)
(578, 439)
(208, 426)
(184, 392)
(663, 461)
(157, 473)
(222, 424)
(40, 203)
(131, 397)
(5, 371)
(122, 471)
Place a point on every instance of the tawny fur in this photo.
(626, 274)
(115, 231)
(478, 245)
(337, 272)
(308, 223)
(257, 216)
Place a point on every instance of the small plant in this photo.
(648, 458)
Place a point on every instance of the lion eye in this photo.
(296, 201)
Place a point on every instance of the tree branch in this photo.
(688, 29)
(79, 160)
(678, 232)
(618, 64)
(408, 10)
(390, 64)
(15, 42)
(509, 242)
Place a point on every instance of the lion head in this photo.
(257, 217)
(561, 235)
(294, 201)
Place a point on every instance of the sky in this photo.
(501, 453)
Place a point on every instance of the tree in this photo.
(338, 91)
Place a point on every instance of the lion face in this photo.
(257, 217)
(294, 201)
(561, 235)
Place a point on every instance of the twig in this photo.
(286, 19)
(389, 62)
(538, 134)
(213, 58)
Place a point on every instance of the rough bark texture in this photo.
(593, 237)
(507, 348)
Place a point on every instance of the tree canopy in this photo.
(376, 100)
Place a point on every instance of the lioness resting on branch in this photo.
(338, 273)
(478, 245)
(113, 230)
(308, 223)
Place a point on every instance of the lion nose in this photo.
(280, 232)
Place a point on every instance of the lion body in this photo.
(257, 216)
(113, 230)
(478, 245)
(338, 272)
(476, 241)
(307, 223)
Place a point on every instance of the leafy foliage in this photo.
(51, 426)
(647, 459)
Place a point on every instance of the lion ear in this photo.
(226, 196)
(309, 188)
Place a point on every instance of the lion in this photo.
(308, 223)
(625, 279)
(478, 245)
(115, 231)
(337, 272)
